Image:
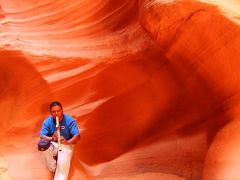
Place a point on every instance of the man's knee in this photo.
(52, 165)
(63, 163)
(51, 169)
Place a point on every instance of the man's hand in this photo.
(55, 136)
(64, 141)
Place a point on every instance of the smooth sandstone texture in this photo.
(153, 85)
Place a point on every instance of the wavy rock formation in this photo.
(153, 85)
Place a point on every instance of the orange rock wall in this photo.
(153, 86)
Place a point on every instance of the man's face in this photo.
(57, 111)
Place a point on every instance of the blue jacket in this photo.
(68, 126)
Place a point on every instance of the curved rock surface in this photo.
(153, 85)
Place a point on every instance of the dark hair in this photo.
(55, 103)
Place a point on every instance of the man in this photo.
(59, 161)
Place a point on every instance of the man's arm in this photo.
(46, 137)
(45, 131)
(73, 140)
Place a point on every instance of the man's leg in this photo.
(49, 157)
(63, 162)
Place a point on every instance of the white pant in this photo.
(62, 164)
